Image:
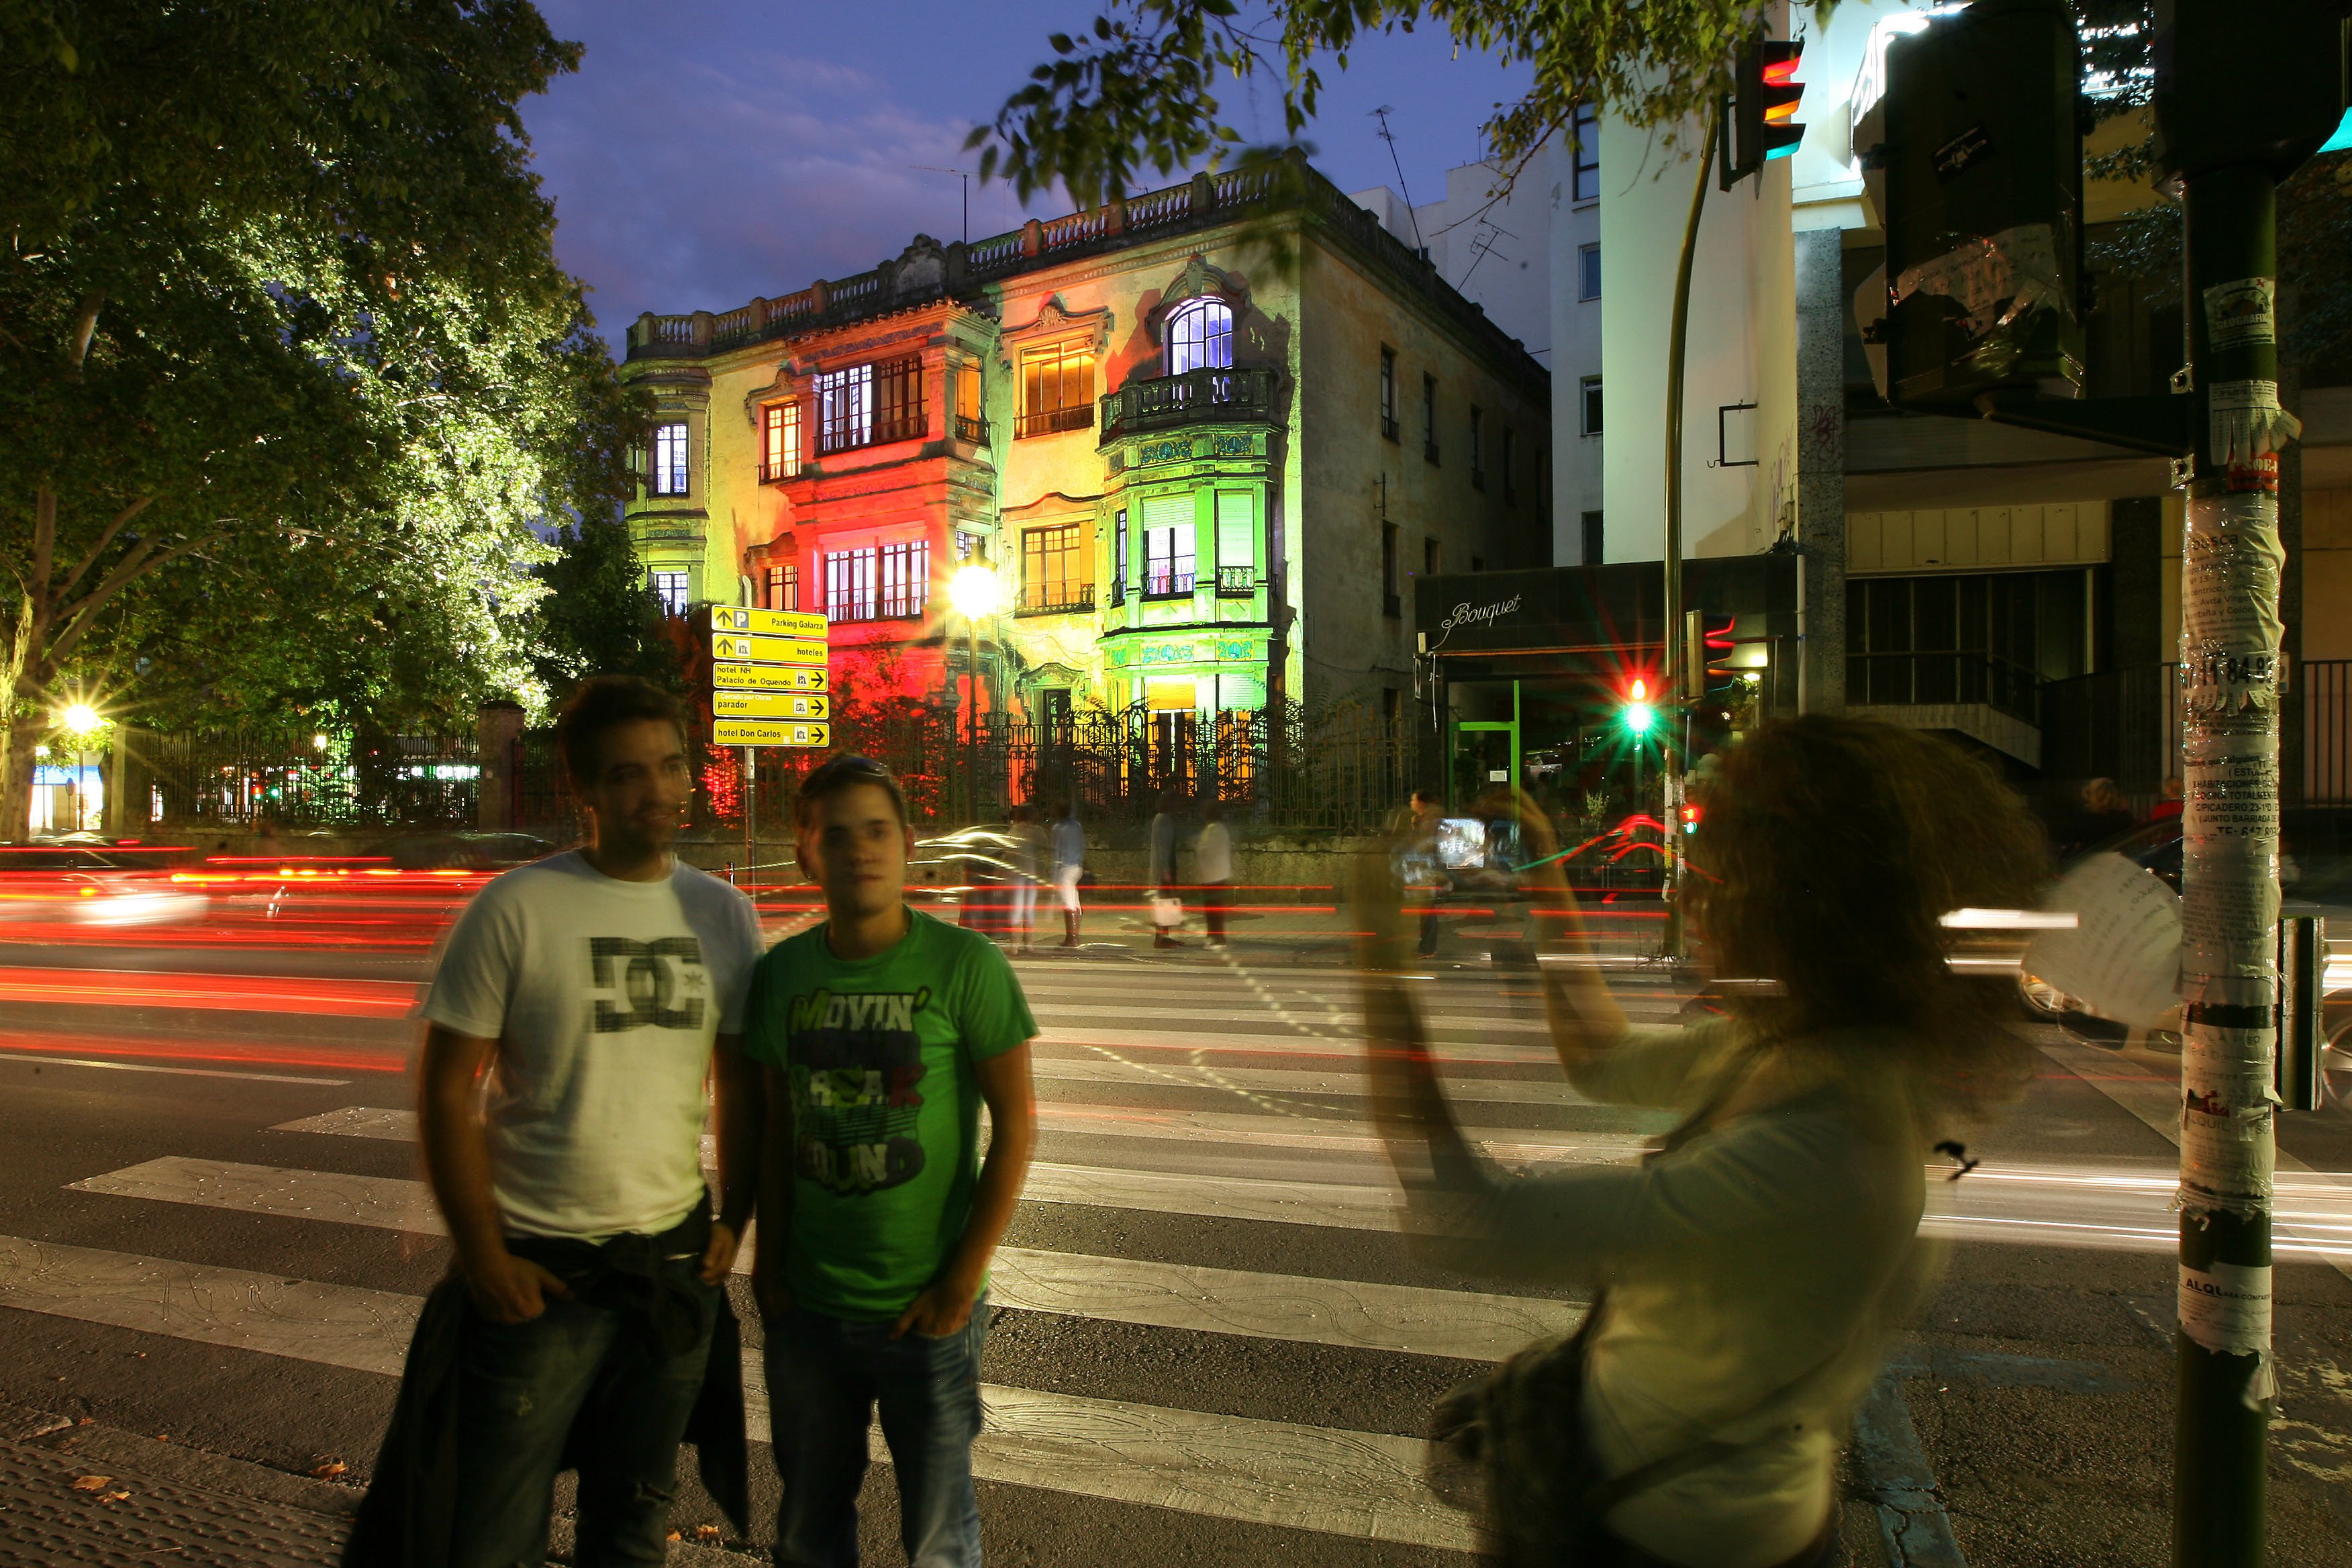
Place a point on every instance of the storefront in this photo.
(1549, 680)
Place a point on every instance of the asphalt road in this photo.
(1209, 1347)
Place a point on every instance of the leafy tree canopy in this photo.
(287, 365)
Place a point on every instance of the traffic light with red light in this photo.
(1637, 713)
(1760, 113)
(1707, 644)
(1690, 817)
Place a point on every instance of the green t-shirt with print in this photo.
(878, 1053)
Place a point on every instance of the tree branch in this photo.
(91, 560)
(45, 543)
(84, 326)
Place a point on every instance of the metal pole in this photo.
(1670, 771)
(2230, 564)
(972, 745)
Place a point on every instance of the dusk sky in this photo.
(708, 150)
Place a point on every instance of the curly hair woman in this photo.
(1751, 1270)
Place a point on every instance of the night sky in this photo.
(707, 150)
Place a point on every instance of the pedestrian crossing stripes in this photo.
(1361, 1484)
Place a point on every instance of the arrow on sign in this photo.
(768, 623)
(767, 678)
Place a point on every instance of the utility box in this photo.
(1972, 154)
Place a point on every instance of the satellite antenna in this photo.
(964, 177)
(1382, 114)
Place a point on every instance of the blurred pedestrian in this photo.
(2168, 801)
(1030, 851)
(1752, 1269)
(1069, 843)
(1212, 868)
(2105, 814)
(880, 1034)
(1425, 865)
(593, 992)
(1167, 902)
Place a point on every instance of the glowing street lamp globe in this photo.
(82, 719)
(976, 591)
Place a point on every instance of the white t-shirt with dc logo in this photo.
(604, 997)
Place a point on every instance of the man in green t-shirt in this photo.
(880, 1034)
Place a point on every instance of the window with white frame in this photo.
(851, 585)
(906, 579)
(1588, 399)
(1584, 173)
(670, 469)
(1200, 336)
(1167, 561)
(671, 588)
(1587, 273)
(844, 408)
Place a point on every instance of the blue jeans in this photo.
(825, 1377)
(523, 1387)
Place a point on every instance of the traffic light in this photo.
(1637, 714)
(1690, 817)
(1707, 644)
(1760, 113)
(1969, 134)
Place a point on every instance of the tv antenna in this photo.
(964, 177)
(1382, 114)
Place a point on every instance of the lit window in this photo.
(1587, 273)
(1588, 396)
(1057, 390)
(906, 579)
(669, 475)
(785, 586)
(670, 588)
(898, 412)
(1200, 336)
(970, 423)
(780, 448)
(1053, 573)
(1585, 172)
(850, 585)
(844, 408)
(1167, 545)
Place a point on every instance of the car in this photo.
(83, 880)
(974, 869)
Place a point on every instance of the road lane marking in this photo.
(41, 1058)
(1416, 1321)
(1361, 1484)
(1226, 1129)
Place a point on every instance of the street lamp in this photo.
(976, 591)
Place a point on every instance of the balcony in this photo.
(1056, 599)
(1053, 421)
(1168, 582)
(1236, 582)
(971, 430)
(769, 473)
(1193, 398)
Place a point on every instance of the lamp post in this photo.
(80, 721)
(976, 591)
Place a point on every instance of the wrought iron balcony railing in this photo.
(1167, 582)
(971, 430)
(1195, 396)
(1077, 416)
(1236, 582)
(1056, 599)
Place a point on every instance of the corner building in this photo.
(1207, 435)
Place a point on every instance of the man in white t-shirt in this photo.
(595, 991)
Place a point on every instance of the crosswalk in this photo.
(1208, 1097)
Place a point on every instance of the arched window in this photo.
(1200, 336)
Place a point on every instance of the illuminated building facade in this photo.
(1208, 435)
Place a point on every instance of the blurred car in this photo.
(81, 880)
(970, 871)
(2315, 878)
(461, 851)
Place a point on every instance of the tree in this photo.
(1135, 91)
(286, 362)
(600, 618)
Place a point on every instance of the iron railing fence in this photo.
(2324, 686)
(286, 778)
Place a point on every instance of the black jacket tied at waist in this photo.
(409, 1513)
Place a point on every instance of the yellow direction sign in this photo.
(769, 705)
(767, 678)
(750, 648)
(768, 623)
(769, 732)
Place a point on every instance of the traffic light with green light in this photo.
(1637, 713)
(1760, 113)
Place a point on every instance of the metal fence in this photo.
(2325, 689)
(2125, 724)
(1344, 770)
(305, 778)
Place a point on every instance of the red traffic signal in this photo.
(1760, 113)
